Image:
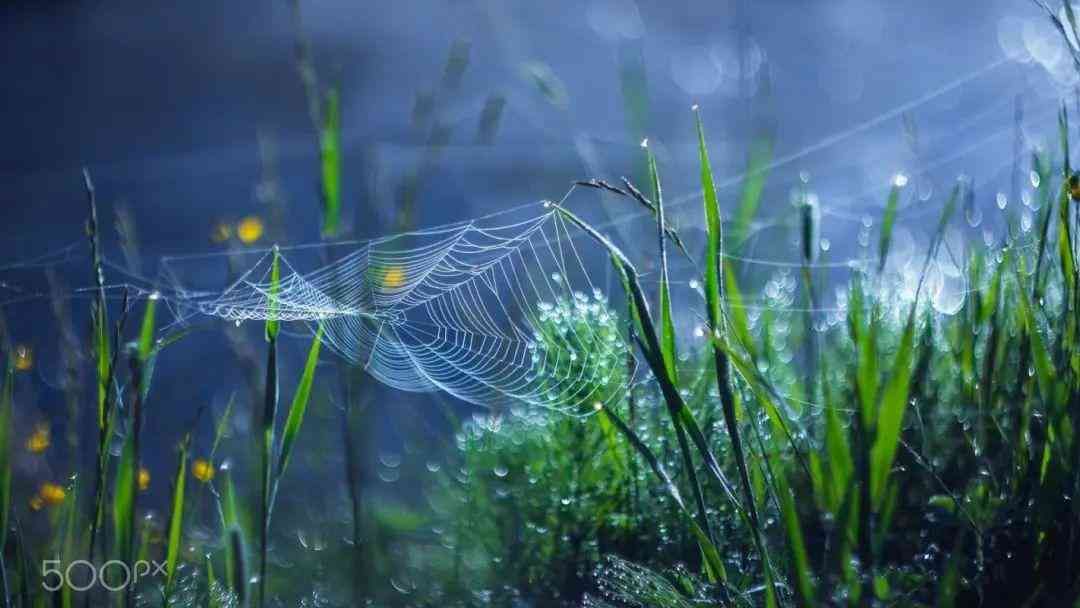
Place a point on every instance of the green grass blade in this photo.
(888, 222)
(269, 415)
(669, 356)
(273, 326)
(70, 537)
(1040, 355)
(238, 571)
(123, 506)
(714, 231)
(222, 426)
(713, 298)
(176, 517)
(299, 404)
(667, 323)
(894, 401)
(800, 561)
(146, 330)
(736, 312)
(753, 186)
(330, 157)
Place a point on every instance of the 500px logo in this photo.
(81, 575)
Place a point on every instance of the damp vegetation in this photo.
(915, 444)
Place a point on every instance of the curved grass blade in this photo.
(713, 299)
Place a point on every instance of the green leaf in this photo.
(299, 403)
(330, 156)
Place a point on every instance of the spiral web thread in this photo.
(487, 313)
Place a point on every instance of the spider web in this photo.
(483, 311)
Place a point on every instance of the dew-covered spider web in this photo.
(484, 311)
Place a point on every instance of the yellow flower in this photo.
(24, 358)
(36, 503)
(394, 277)
(202, 470)
(52, 494)
(221, 233)
(249, 230)
(144, 479)
(38, 442)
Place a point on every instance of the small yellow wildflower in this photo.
(36, 503)
(221, 233)
(144, 479)
(394, 277)
(52, 494)
(202, 470)
(249, 230)
(39, 440)
(24, 358)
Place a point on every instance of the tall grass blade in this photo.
(238, 570)
(713, 299)
(330, 158)
(649, 344)
(888, 222)
(894, 401)
(299, 406)
(669, 356)
(123, 504)
(176, 517)
(269, 415)
(801, 572)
